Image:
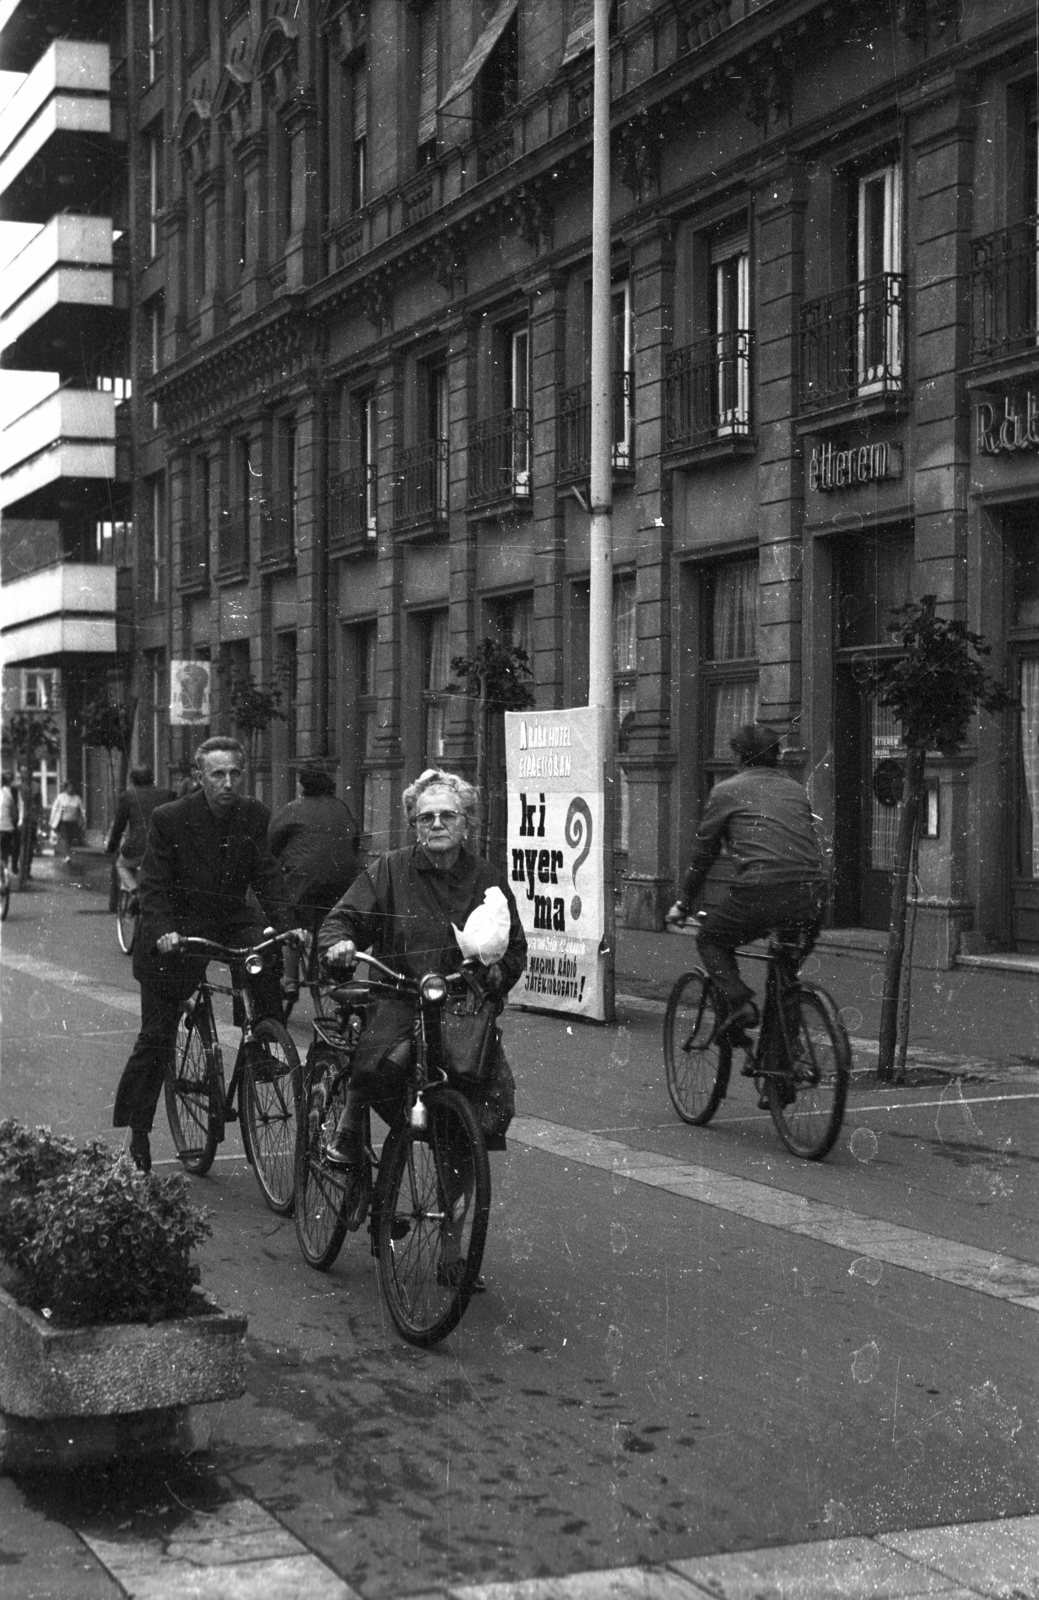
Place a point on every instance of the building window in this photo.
(359, 142)
(353, 490)
(155, 577)
(496, 91)
(575, 407)
(500, 443)
(435, 677)
(287, 670)
(625, 668)
(730, 270)
(155, 38)
(420, 489)
(37, 691)
(361, 640)
(427, 83)
(156, 187)
(879, 262)
(1023, 528)
(729, 665)
(154, 723)
(1004, 263)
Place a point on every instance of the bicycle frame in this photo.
(240, 994)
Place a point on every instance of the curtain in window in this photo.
(625, 640)
(625, 660)
(731, 705)
(734, 620)
(883, 820)
(1030, 758)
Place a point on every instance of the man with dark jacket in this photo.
(315, 840)
(204, 854)
(129, 831)
(763, 818)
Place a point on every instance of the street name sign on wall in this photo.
(554, 766)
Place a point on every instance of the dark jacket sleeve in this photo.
(359, 914)
(707, 845)
(119, 823)
(158, 877)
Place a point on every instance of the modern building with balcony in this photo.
(65, 539)
(362, 402)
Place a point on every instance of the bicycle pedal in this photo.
(231, 1115)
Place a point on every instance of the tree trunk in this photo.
(897, 924)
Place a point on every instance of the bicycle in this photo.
(5, 890)
(310, 976)
(127, 919)
(801, 1060)
(427, 1196)
(266, 1077)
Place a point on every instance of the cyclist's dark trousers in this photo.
(748, 912)
(162, 999)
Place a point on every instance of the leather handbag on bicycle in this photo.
(469, 1033)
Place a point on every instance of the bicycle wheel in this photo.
(809, 1123)
(126, 915)
(267, 1104)
(697, 1069)
(194, 1089)
(321, 1195)
(5, 894)
(433, 1206)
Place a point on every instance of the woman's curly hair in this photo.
(437, 778)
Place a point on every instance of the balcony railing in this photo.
(194, 558)
(232, 545)
(853, 342)
(278, 528)
(708, 390)
(575, 426)
(420, 485)
(351, 507)
(1003, 284)
(499, 458)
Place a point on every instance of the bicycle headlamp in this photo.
(433, 988)
(254, 965)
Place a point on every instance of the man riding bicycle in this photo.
(763, 819)
(133, 813)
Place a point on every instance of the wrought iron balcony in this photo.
(420, 485)
(351, 507)
(708, 390)
(499, 458)
(278, 531)
(1003, 292)
(575, 426)
(853, 342)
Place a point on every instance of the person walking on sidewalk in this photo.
(764, 819)
(203, 856)
(315, 839)
(68, 821)
(10, 820)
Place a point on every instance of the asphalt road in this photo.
(649, 1377)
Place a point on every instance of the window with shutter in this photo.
(427, 85)
(359, 147)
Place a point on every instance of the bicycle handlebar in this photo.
(191, 944)
(397, 979)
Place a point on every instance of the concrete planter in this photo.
(71, 1395)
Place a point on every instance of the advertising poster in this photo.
(554, 764)
(189, 693)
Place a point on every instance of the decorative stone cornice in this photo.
(211, 387)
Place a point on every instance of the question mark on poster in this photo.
(577, 831)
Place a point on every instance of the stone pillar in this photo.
(779, 202)
(386, 775)
(940, 158)
(461, 402)
(311, 578)
(647, 886)
(252, 153)
(547, 298)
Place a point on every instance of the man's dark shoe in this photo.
(344, 1150)
(733, 1026)
(140, 1150)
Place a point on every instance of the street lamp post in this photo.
(600, 637)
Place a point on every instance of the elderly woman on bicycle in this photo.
(405, 908)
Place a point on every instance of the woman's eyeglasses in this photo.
(426, 819)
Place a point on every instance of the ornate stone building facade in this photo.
(362, 266)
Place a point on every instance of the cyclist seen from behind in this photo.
(315, 840)
(762, 819)
(129, 831)
(204, 854)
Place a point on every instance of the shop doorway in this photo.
(1022, 530)
(874, 575)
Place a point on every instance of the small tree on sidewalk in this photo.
(253, 708)
(934, 687)
(493, 675)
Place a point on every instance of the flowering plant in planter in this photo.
(85, 1238)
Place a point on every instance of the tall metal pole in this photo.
(600, 633)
